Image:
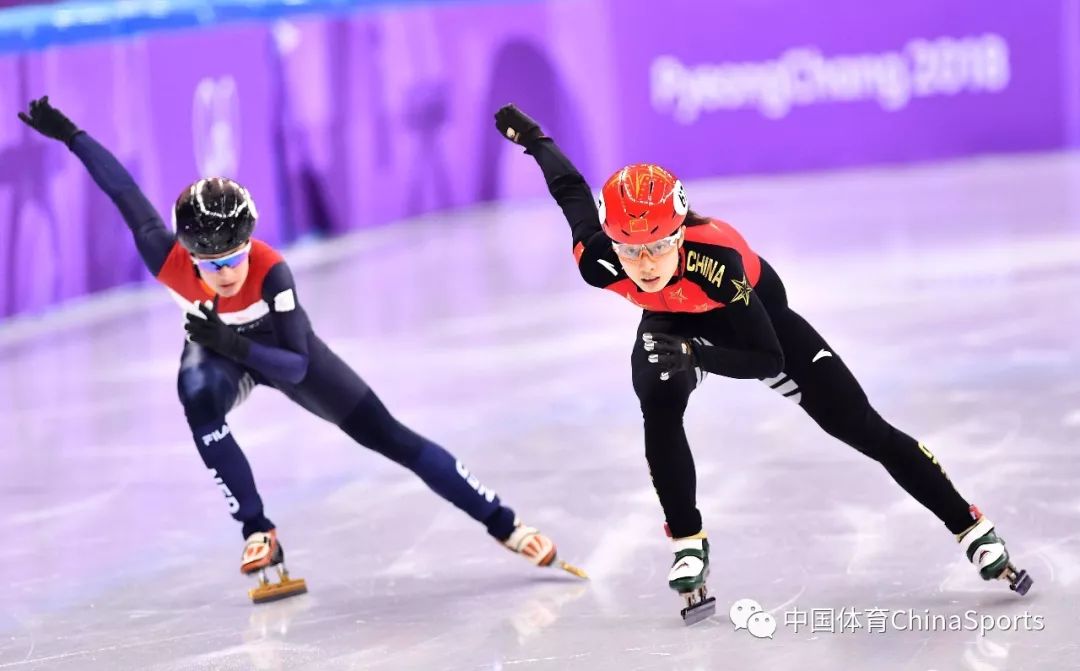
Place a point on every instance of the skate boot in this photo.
(688, 574)
(537, 548)
(986, 550)
(261, 551)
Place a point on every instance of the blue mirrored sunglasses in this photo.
(230, 261)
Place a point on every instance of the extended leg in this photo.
(335, 392)
(816, 377)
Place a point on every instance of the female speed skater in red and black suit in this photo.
(246, 326)
(713, 305)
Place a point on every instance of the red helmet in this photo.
(642, 203)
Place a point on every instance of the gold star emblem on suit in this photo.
(704, 307)
(634, 300)
(677, 296)
(742, 291)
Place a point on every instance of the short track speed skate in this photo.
(687, 577)
(538, 549)
(986, 551)
(262, 551)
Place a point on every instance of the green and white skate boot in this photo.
(986, 551)
(688, 574)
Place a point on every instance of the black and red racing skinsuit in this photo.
(731, 305)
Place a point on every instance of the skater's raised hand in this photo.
(670, 353)
(49, 121)
(516, 126)
(207, 329)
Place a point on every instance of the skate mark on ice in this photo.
(30, 652)
(785, 604)
(868, 543)
(114, 648)
(65, 510)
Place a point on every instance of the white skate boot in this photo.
(537, 548)
(261, 551)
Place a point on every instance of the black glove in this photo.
(210, 331)
(516, 126)
(671, 353)
(49, 121)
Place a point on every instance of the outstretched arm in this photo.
(568, 188)
(152, 239)
(596, 260)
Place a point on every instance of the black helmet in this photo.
(213, 216)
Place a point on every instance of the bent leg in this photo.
(667, 451)
(209, 386)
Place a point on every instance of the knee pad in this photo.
(205, 393)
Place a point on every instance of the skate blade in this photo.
(277, 590)
(699, 611)
(573, 570)
(1019, 580)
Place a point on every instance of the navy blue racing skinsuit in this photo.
(282, 352)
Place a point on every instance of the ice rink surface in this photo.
(951, 291)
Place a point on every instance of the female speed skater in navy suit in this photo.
(246, 326)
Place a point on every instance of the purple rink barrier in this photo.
(338, 123)
(908, 81)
